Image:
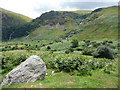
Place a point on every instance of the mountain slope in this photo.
(10, 21)
(101, 23)
(55, 25)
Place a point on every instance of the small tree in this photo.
(103, 52)
(48, 47)
(74, 43)
(69, 51)
(28, 49)
(36, 46)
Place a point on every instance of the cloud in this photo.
(87, 5)
(34, 8)
(91, 0)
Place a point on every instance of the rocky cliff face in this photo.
(54, 17)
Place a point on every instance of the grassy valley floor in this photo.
(99, 79)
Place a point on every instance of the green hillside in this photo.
(81, 12)
(101, 23)
(10, 21)
(56, 25)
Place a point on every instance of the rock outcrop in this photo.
(30, 70)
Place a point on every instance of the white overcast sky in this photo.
(34, 8)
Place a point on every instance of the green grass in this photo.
(16, 16)
(78, 12)
(59, 46)
(105, 26)
(99, 79)
(82, 12)
(51, 33)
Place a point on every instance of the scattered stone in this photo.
(30, 70)
(53, 72)
(46, 73)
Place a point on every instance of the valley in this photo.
(68, 43)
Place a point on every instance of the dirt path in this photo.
(25, 51)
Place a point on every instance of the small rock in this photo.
(53, 72)
(46, 73)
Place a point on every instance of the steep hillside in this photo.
(56, 25)
(10, 21)
(61, 17)
(100, 24)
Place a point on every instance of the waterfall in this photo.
(10, 37)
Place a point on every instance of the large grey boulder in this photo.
(30, 70)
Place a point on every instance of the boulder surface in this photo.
(30, 70)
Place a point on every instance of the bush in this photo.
(87, 51)
(54, 50)
(110, 41)
(96, 44)
(43, 45)
(79, 49)
(48, 47)
(60, 62)
(72, 63)
(103, 52)
(69, 51)
(74, 43)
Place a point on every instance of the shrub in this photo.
(69, 51)
(51, 43)
(110, 42)
(87, 41)
(36, 46)
(21, 43)
(4, 49)
(96, 44)
(13, 48)
(60, 62)
(74, 43)
(43, 45)
(79, 49)
(54, 50)
(48, 47)
(28, 49)
(21, 48)
(72, 63)
(87, 51)
(103, 52)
